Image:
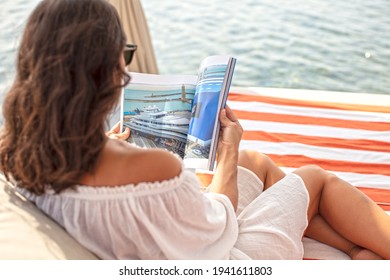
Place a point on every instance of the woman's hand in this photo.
(231, 130)
(114, 132)
(225, 177)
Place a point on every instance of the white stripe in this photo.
(362, 180)
(292, 148)
(309, 112)
(314, 130)
(318, 95)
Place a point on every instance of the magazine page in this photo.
(214, 78)
(157, 109)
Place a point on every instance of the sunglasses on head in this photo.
(128, 53)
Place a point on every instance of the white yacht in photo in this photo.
(157, 128)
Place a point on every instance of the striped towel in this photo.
(349, 138)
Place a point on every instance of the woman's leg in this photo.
(318, 229)
(347, 211)
(268, 172)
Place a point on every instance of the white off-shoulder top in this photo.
(174, 219)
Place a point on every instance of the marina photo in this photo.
(158, 116)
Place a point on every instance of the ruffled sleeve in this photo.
(172, 219)
(188, 224)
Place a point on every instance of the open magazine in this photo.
(179, 112)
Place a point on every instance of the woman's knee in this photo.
(311, 168)
(254, 161)
(262, 165)
(250, 158)
(314, 177)
(311, 173)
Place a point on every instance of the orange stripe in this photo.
(205, 178)
(296, 161)
(380, 196)
(359, 144)
(310, 104)
(285, 118)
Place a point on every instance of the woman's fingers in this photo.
(231, 130)
(227, 116)
(223, 118)
(121, 136)
(116, 128)
(230, 114)
(115, 133)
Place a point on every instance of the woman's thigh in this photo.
(267, 171)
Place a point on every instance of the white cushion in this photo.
(27, 233)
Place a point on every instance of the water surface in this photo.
(309, 44)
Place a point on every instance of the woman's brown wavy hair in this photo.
(68, 80)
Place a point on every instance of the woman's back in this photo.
(169, 219)
(121, 163)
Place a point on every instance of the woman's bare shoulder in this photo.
(152, 165)
(122, 164)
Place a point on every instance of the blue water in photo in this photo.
(206, 101)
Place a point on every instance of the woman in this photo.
(122, 202)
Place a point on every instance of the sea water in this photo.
(310, 44)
